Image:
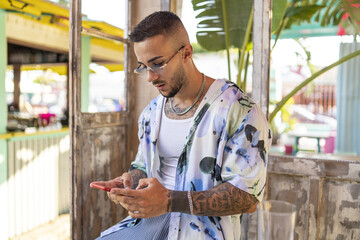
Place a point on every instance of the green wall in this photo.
(85, 72)
(3, 64)
(3, 122)
(3, 190)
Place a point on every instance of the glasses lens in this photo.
(139, 70)
(157, 69)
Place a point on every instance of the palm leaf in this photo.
(211, 33)
(353, 21)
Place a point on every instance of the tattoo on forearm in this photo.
(224, 199)
(136, 175)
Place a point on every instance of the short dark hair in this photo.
(157, 23)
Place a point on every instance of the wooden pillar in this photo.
(141, 92)
(165, 5)
(74, 108)
(66, 111)
(261, 63)
(17, 78)
(3, 122)
(261, 76)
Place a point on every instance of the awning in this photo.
(45, 25)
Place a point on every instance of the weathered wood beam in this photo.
(261, 62)
(17, 79)
(76, 216)
(165, 5)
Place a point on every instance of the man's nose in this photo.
(151, 76)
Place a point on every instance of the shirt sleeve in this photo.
(139, 162)
(246, 152)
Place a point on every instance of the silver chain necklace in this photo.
(193, 104)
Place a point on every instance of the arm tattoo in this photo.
(222, 200)
(136, 175)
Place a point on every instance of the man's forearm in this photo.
(136, 175)
(224, 199)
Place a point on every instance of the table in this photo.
(318, 135)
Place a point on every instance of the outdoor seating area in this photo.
(70, 101)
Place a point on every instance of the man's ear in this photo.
(188, 52)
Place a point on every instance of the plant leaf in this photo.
(211, 33)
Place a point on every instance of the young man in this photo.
(203, 149)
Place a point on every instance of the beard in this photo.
(177, 82)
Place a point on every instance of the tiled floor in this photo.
(59, 229)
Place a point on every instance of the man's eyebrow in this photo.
(151, 60)
(154, 58)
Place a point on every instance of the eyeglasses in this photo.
(157, 68)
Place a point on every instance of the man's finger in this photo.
(143, 183)
(125, 192)
(101, 185)
(127, 181)
(97, 182)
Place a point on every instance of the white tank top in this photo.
(171, 140)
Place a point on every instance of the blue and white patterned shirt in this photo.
(228, 141)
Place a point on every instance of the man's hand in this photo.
(149, 199)
(124, 181)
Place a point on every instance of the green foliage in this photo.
(226, 24)
(334, 12)
(211, 34)
(296, 13)
(351, 22)
(197, 48)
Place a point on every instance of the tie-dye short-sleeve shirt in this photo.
(228, 141)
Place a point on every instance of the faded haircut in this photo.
(157, 23)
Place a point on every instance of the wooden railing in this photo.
(38, 180)
(321, 98)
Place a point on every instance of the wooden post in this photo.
(142, 91)
(17, 78)
(165, 5)
(74, 108)
(261, 73)
(261, 63)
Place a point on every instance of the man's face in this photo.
(156, 51)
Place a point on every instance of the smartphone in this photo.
(101, 187)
